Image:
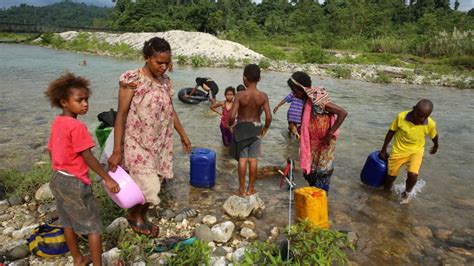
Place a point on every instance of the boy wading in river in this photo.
(248, 132)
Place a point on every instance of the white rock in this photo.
(24, 232)
(248, 233)
(44, 193)
(117, 224)
(242, 207)
(218, 261)
(223, 232)
(274, 232)
(8, 231)
(212, 245)
(210, 220)
(111, 257)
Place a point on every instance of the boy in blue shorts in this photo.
(409, 129)
(69, 148)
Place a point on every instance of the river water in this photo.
(388, 232)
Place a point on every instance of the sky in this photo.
(465, 5)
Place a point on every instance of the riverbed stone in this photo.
(248, 224)
(14, 200)
(218, 261)
(111, 257)
(423, 231)
(8, 230)
(44, 193)
(24, 232)
(238, 255)
(168, 214)
(248, 233)
(461, 251)
(21, 262)
(209, 220)
(47, 207)
(442, 234)
(5, 217)
(204, 233)
(223, 232)
(461, 240)
(242, 207)
(117, 224)
(18, 252)
(4, 205)
(219, 252)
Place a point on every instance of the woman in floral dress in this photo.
(143, 131)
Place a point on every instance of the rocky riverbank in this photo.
(202, 49)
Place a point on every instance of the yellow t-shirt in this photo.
(410, 138)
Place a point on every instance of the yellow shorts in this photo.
(413, 162)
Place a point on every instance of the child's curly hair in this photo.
(60, 88)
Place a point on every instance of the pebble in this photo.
(460, 251)
(442, 234)
(423, 231)
(209, 220)
(248, 224)
(5, 217)
(248, 233)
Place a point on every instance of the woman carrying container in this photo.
(320, 122)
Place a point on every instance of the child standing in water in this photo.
(409, 129)
(70, 152)
(248, 132)
(294, 113)
(226, 106)
(143, 131)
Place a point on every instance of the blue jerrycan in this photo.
(374, 171)
(203, 168)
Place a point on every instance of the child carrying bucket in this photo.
(409, 129)
(294, 113)
(70, 152)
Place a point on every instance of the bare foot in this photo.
(250, 192)
(85, 260)
(240, 193)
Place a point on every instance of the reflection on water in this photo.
(389, 233)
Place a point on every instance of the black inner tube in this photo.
(197, 97)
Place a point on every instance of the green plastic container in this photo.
(102, 133)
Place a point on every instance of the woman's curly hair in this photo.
(60, 89)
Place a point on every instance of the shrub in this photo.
(382, 78)
(342, 72)
(312, 54)
(388, 45)
(231, 62)
(271, 51)
(198, 61)
(182, 60)
(264, 63)
(462, 62)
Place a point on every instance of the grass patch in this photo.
(26, 182)
(195, 254)
(342, 72)
(310, 246)
(382, 78)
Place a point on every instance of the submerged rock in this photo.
(242, 207)
(423, 231)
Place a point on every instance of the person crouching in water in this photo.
(409, 129)
(248, 132)
(319, 130)
(226, 106)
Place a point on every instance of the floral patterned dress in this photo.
(148, 137)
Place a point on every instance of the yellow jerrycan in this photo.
(312, 204)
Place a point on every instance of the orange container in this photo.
(312, 204)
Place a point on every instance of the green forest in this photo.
(302, 31)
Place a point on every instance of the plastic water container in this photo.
(375, 170)
(129, 194)
(203, 168)
(312, 204)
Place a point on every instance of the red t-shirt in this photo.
(68, 138)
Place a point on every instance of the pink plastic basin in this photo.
(129, 194)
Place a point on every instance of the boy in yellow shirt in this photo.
(409, 129)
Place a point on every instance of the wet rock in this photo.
(242, 207)
(5, 217)
(168, 214)
(238, 255)
(219, 252)
(14, 200)
(459, 240)
(4, 205)
(209, 220)
(24, 232)
(442, 234)
(18, 252)
(44, 193)
(117, 224)
(223, 232)
(48, 207)
(460, 251)
(204, 233)
(452, 261)
(111, 257)
(248, 224)
(423, 231)
(248, 233)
